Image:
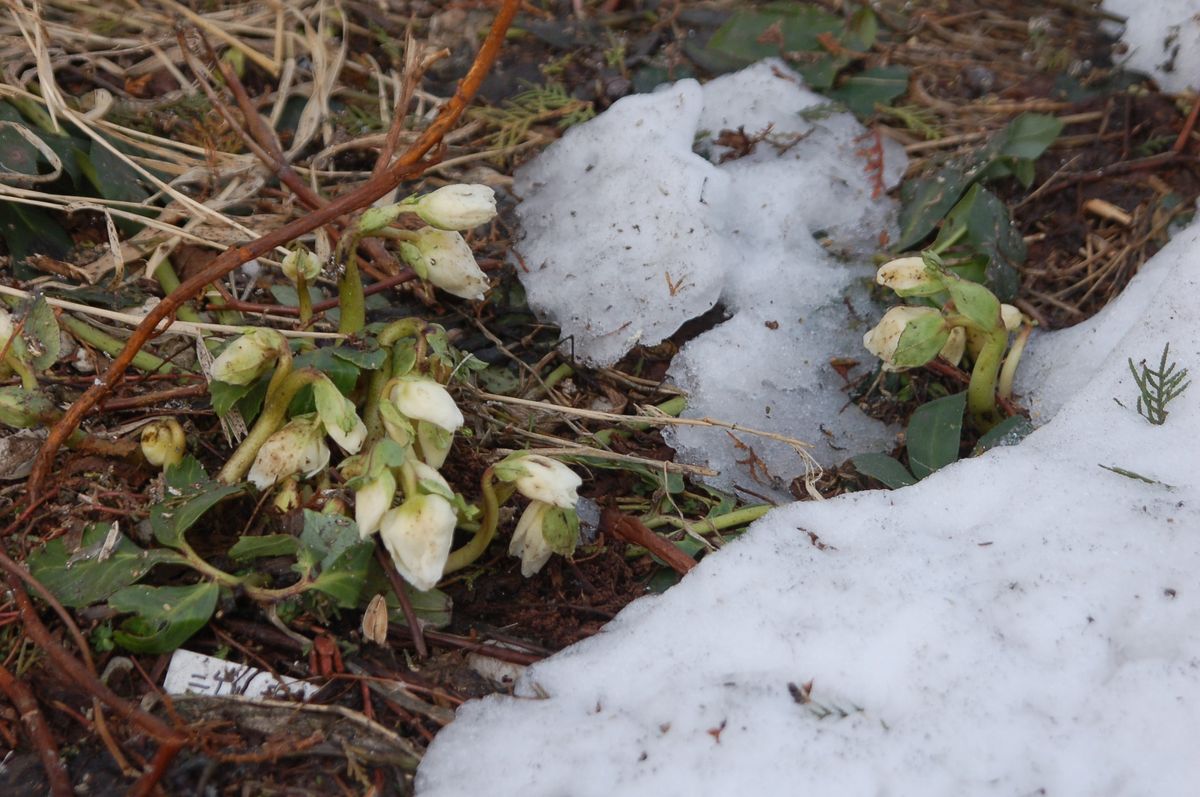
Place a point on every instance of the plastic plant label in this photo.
(198, 674)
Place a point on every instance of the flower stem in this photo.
(1009, 372)
(98, 339)
(981, 392)
(487, 527)
(274, 413)
(739, 517)
(350, 291)
(306, 308)
(199, 564)
(28, 379)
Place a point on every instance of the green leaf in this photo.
(933, 434)
(862, 92)
(186, 477)
(1008, 432)
(81, 578)
(326, 537)
(975, 302)
(368, 357)
(782, 29)
(1029, 135)
(40, 336)
(343, 373)
(248, 547)
(925, 201)
(171, 519)
(28, 231)
(922, 339)
(883, 468)
(862, 29)
(560, 529)
(432, 607)
(166, 617)
(224, 396)
(990, 232)
(344, 578)
(17, 156)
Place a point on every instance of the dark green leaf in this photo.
(172, 518)
(166, 617)
(343, 373)
(885, 469)
(925, 201)
(31, 231)
(186, 477)
(344, 578)
(225, 395)
(268, 545)
(40, 334)
(17, 156)
(327, 536)
(879, 86)
(81, 578)
(785, 29)
(1029, 135)
(368, 358)
(1008, 432)
(990, 232)
(933, 434)
(862, 30)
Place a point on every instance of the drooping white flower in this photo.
(6, 327)
(458, 207)
(339, 416)
(528, 540)
(884, 339)
(1011, 317)
(372, 501)
(426, 400)
(301, 263)
(909, 276)
(163, 442)
(248, 357)
(445, 259)
(430, 480)
(956, 344)
(299, 447)
(418, 535)
(540, 478)
(435, 443)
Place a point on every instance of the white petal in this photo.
(418, 535)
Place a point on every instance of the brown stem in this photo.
(407, 165)
(39, 732)
(410, 616)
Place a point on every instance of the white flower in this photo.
(339, 416)
(908, 276)
(418, 534)
(528, 541)
(248, 357)
(301, 263)
(543, 479)
(956, 344)
(884, 338)
(431, 480)
(1011, 317)
(435, 443)
(299, 447)
(163, 442)
(458, 207)
(426, 400)
(371, 502)
(446, 260)
(6, 327)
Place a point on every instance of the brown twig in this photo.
(150, 399)
(409, 164)
(39, 732)
(634, 531)
(410, 615)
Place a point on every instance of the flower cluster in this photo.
(956, 318)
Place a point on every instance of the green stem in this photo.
(487, 527)
(198, 563)
(350, 291)
(408, 479)
(739, 517)
(981, 392)
(1009, 372)
(274, 413)
(168, 280)
(951, 241)
(28, 379)
(306, 308)
(112, 346)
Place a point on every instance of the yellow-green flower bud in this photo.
(301, 263)
(163, 442)
(446, 260)
(248, 357)
(909, 276)
(888, 340)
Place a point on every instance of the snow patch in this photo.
(1163, 37)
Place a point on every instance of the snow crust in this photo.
(1163, 37)
(1025, 622)
(628, 233)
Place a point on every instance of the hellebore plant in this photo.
(437, 253)
(968, 319)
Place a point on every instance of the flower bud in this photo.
(909, 276)
(299, 447)
(956, 344)
(528, 541)
(24, 409)
(418, 534)
(372, 501)
(301, 263)
(884, 341)
(163, 442)
(375, 219)
(425, 400)
(338, 415)
(540, 478)
(248, 357)
(457, 207)
(446, 260)
(1011, 317)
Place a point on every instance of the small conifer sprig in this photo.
(1158, 387)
